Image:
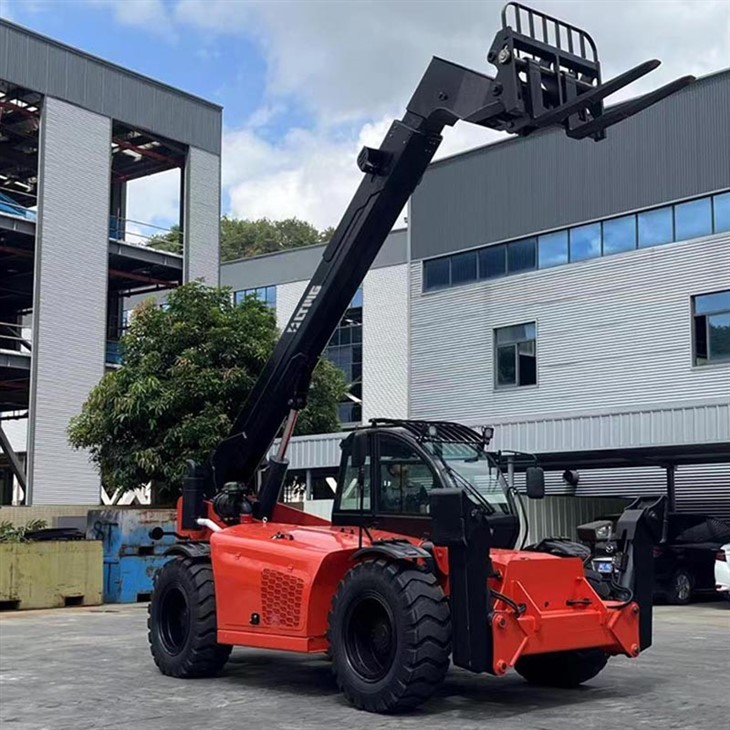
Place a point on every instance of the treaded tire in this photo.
(680, 587)
(413, 653)
(562, 669)
(181, 621)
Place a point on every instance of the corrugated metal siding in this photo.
(385, 343)
(314, 452)
(43, 65)
(612, 334)
(560, 516)
(202, 216)
(297, 264)
(287, 297)
(696, 423)
(69, 332)
(676, 149)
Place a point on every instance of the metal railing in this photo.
(15, 337)
(149, 235)
(8, 206)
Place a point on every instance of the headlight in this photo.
(592, 532)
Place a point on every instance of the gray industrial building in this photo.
(574, 295)
(75, 131)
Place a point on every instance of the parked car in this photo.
(722, 571)
(684, 559)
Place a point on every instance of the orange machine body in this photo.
(275, 580)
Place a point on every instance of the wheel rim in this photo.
(683, 586)
(174, 620)
(370, 638)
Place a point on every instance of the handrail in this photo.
(11, 326)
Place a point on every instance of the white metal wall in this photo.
(69, 302)
(612, 333)
(287, 298)
(385, 343)
(202, 216)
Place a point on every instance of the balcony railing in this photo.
(10, 207)
(15, 337)
(139, 233)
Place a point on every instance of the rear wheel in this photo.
(562, 668)
(182, 622)
(679, 590)
(390, 636)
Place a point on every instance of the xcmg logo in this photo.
(301, 313)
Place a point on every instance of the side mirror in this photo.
(359, 450)
(535, 482)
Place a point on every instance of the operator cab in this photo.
(389, 470)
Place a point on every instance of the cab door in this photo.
(402, 480)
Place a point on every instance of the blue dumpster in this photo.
(131, 557)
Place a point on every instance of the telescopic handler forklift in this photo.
(418, 565)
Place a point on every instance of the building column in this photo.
(201, 216)
(69, 299)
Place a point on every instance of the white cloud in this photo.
(149, 15)
(353, 65)
(154, 201)
(349, 60)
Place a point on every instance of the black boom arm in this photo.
(539, 84)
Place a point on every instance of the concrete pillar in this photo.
(201, 216)
(69, 300)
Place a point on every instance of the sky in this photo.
(306, 83)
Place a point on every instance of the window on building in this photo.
(265, 294)
(522, 255)
(552, 249)
(515, 355)
(678, 222)
(464, 268)
(585, 242)
(721, 212)
(711, 320)
(619, 234)
(436, 273)
(345, 352)
(693, 219)
(493, 262)
(656, 227)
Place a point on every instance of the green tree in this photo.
(185, 374)
(241, 238)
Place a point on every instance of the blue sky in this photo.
(304, 84)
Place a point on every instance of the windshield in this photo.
(476, 467)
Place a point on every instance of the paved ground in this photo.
(89, 669)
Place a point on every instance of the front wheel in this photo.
(182, 621)
(562, 669)
(390, 636)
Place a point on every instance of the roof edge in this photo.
(109, 64)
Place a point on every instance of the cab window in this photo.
(404, 478)
(350, 498)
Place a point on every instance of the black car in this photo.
(684, 559)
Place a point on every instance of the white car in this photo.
(722, 571)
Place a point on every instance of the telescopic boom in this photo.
(548, 75)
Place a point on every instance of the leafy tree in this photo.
(241, 238)
(170, 241)
(186, 372)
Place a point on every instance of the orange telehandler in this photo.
(418, 565)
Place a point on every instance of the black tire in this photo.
(680, 587)
(390, 636)
(181, 621)
(563, 669)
